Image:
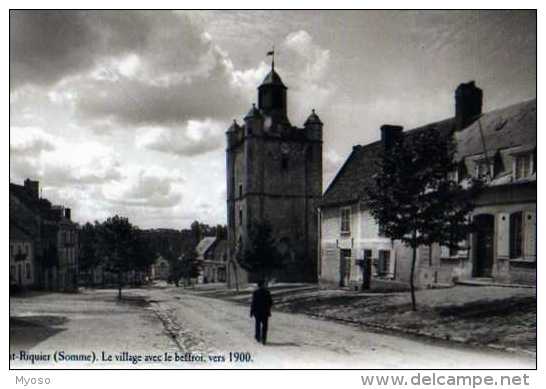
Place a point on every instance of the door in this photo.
(483, 255)
(344, 267)
(367, 269)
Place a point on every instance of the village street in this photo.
(155, 321)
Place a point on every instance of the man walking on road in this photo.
(260, 308)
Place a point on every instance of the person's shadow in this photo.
(282, 344)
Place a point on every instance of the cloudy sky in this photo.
(125, 112)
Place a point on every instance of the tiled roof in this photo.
(357, 172)
(204, 245)
(502, 128)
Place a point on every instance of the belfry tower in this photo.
(274, 174)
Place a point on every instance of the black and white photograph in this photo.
(273, 189)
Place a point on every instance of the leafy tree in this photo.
(116, 244)
(188, 266)
(415, 198)
(88, 254)
(260, 255)
(198, 231)
(144, 254)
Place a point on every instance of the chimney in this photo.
(32, 188)
(390, 134)
(67, 213)
(468, 104)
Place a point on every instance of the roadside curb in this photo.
(425, 334)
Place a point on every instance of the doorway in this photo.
(344, 267)
(484, 254)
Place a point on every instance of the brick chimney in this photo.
(32, 188)
(468, 104)
(389, 135)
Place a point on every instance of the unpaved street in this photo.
(175, 321)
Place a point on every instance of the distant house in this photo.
(22, 265)
(212, 254)
(160, 269)
(54, 236)
(500, 147)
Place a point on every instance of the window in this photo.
(12, 271)
(240, 217)
(240, 190)
(27, 270)
(381, 230)
(522, 166)
(516, 235)
(346, 220)
(384, 265)
(483, 169)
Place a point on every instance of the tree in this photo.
(116, 244)
(144, 254)
(415, 198)
(260, 255)
(186, 267)
(88, 258)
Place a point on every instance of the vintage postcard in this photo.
(261, 189)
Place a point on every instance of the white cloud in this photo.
(143, 190)
(30, 141)
(60, 161)
(196, 137)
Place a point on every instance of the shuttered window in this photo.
(516, 235)
(529, 235)
(503, 235)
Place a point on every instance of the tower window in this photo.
(240, 217)
(240, 190)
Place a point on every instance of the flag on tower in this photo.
(272, 52)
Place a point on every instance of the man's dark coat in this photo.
(261, 304)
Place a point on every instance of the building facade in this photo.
(212, 255)
(22, 264)
(53, 236)
(500, 148)
(274, 175)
